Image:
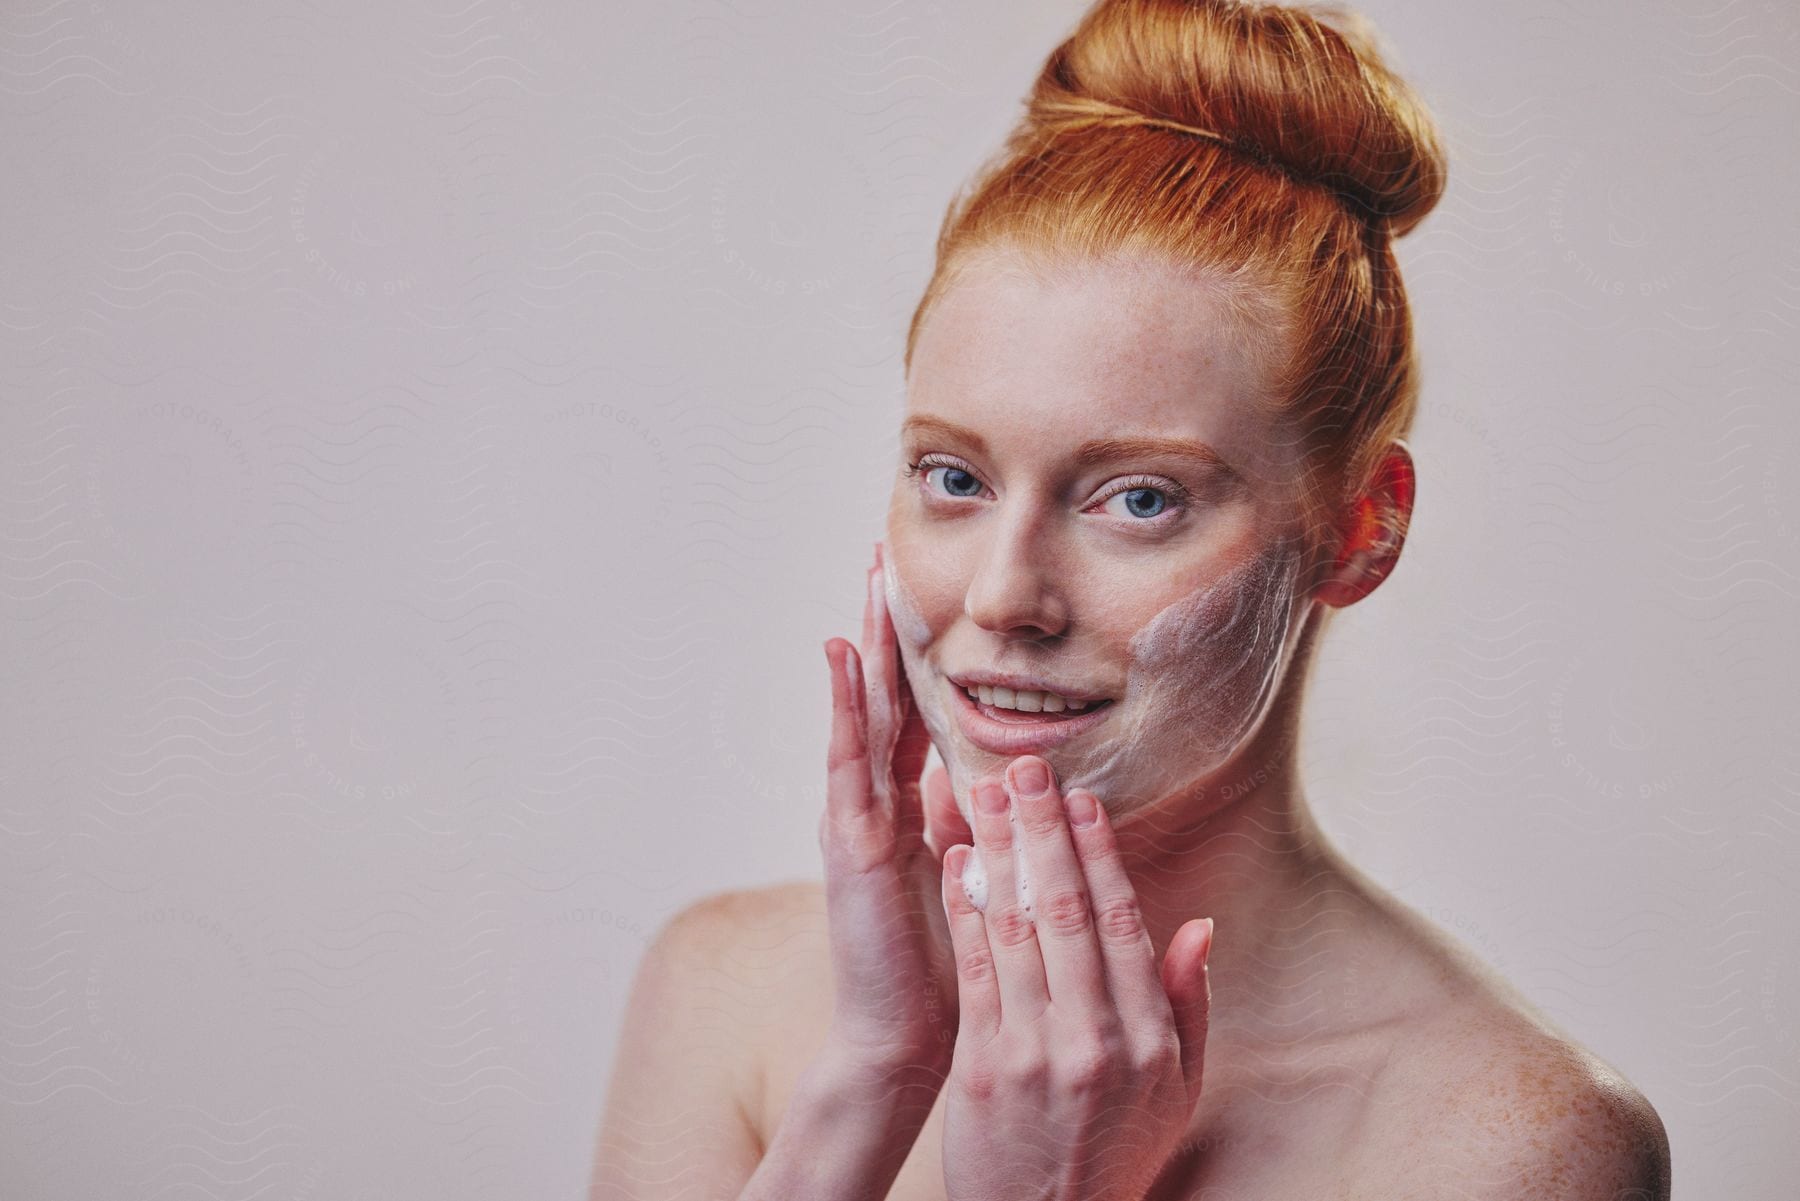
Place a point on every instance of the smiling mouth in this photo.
(1028, 717)
(1001, 729)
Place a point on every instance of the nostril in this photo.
(1016, 609)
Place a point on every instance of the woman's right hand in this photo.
(893, 965)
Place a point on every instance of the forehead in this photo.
(1079, 349)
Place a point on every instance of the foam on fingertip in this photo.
(975, 880)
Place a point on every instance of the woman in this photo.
(1156, 397)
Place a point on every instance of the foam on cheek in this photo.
(914, 635)
(1203, 671)
(903, 608)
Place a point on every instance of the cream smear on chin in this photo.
(1203, 672)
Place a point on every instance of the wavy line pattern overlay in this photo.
(436, 438)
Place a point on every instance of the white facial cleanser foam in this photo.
(1202, 673)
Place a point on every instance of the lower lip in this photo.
(1025, 736)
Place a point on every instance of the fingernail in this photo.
(853, 669)
(1207, 954)
(1082, 810)
(1029, 776)
(990, 797)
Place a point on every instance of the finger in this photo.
(944, 828)
(850, 809)
(884, 622)
(944, 823)
(977, 990)
(1010, 935)
(1126, 951)
(879, 660)
(868, 626)
(1073, 969)
(890, 638)
(1190, 994)
(912, 740)
(912, 746)
(885, 650)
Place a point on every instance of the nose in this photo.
(1017, 590)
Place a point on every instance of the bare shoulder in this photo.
(690, 1054)
(745, 911)
(1493, 1104)
(756, 944)
(764, 930)
(767, 957)
(722, 974)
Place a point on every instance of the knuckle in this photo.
(980, 1080)
(1008, 925)
(1090, 1063)
(958, 903)
(1157, 1055)
(1040, 821)
(992, 832)
(854, 848)
(1120, 919)
(1066, 911)
(840, 759)
(1026, 1070)
(976, 965)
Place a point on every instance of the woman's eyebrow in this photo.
(1105, 450)
(1092, 453)
(944, 429)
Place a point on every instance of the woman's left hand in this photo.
(1077, 1062)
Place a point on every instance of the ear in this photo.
(1372, 531)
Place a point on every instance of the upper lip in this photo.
(1019, 683)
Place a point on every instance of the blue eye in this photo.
(1141, 499)
(1144, 499)
(957, 482)
(1144, 502)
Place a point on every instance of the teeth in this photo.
(1025, 700)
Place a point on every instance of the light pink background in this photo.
(436, 439)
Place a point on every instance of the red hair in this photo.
(1268, 147)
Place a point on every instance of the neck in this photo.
(1244, 850)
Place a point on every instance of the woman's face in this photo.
(1091, 503)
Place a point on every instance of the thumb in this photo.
(1190, 995)
(945, 825)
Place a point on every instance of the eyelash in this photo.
(1180, 499)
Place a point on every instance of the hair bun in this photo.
(1303, 89)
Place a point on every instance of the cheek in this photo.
(1210, 661)
(1200, 629)
(910, 624)
(927, 584)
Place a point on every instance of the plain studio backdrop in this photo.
(438, 437)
